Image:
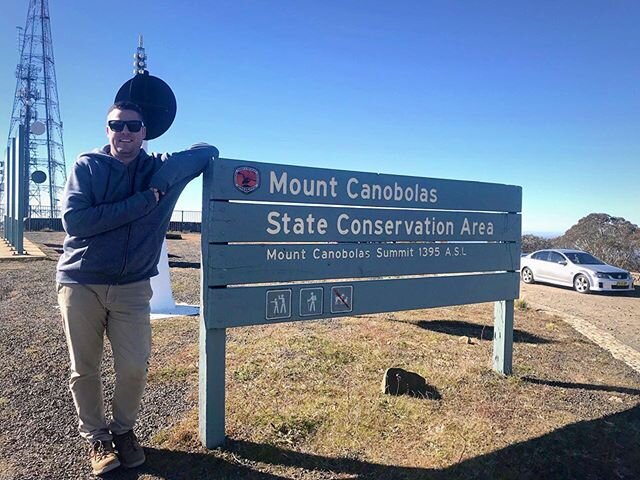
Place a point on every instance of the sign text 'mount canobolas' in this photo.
(263, 182)
(353, 188)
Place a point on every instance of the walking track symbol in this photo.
(311, 301)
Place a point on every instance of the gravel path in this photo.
(615, 314)
(38, 434)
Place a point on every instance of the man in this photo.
(116, 210)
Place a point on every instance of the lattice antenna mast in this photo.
(37, 107)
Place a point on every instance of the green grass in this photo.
(522, 305)
(172, 373)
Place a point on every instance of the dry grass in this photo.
(521, 304)
(314, 387)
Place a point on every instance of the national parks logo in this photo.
(246, 179)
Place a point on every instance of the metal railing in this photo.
(42, 212)
(185, 221)
(41, 218)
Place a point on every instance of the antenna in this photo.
(151, 94)
(140, 59)
(36, 106)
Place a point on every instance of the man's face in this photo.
(125, 145)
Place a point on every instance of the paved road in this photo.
(611, 320)
(7, 252)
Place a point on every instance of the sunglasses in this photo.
(118, 125)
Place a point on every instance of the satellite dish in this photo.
(38, 176)
(155, 98)
(38, 128)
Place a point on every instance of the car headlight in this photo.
(601, 275)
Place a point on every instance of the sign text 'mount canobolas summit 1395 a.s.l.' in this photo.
(333, 243)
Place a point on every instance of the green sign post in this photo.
(15, 189)
(330, 243)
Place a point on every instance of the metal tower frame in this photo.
(37, 107)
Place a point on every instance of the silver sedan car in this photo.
(574, 268)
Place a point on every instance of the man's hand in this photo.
(156, 192)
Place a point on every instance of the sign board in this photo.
(286, 243)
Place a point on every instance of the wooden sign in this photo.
(260, 182)
(246, 222)
(243, 264)
(285, 243)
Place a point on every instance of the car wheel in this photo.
(527, 275)
(581, 284)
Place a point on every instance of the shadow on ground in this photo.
(174, 264)
(472, 330)
(583, 386)
(635, 293)
(607, 447)
(55, 247)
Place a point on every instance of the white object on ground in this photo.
(180, 310)
(162, 299)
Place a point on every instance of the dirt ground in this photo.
(304, 400)
(615, 313)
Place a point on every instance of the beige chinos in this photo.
(122, 312)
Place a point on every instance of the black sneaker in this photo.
(129, 450)
(103, 458)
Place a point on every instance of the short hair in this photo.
(126, 105)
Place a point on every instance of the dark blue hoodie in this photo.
(114, 226)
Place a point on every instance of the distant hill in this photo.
(547, 234)
(531, 243)
(612, 239)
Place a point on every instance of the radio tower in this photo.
(36, 107)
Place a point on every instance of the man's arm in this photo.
(181, 166)
(81, 218)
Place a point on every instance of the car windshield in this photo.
(582, 258)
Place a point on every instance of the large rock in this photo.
(397, 381)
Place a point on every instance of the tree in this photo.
(612, 239)
(531, 243)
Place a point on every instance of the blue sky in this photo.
(541, 94)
